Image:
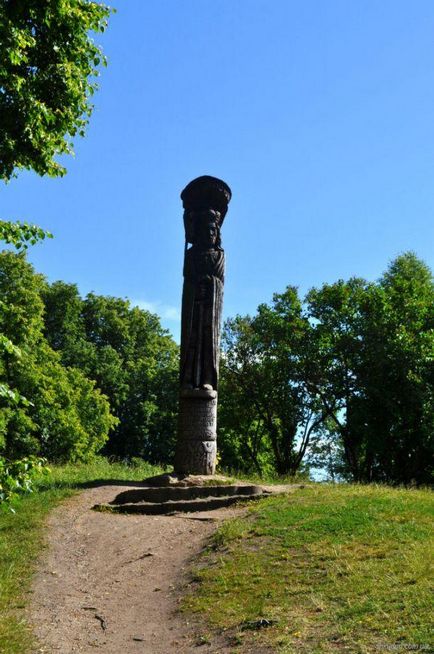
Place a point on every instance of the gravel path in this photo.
(110, 582)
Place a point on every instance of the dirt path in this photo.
(108, 582)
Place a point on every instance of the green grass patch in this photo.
(337, 567)
(22, 537)
(269, 477)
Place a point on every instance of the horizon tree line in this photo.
(341, 380)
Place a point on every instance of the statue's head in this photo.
(205, 202)
(202, 227)
(208, 228)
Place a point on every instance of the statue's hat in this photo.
(207, 192)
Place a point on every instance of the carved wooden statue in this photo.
(205, 202)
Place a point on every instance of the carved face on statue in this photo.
(202, 228)
(208, 235)
(208, 229)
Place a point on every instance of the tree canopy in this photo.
(132, 360)
(345, 377)
(266, 406)
(48, 66)
(50, 410)
(78, 375)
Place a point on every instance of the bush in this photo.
(16, 477)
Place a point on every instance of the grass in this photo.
(331, 568)
(22, 538)
(339, 568)
(269, 478)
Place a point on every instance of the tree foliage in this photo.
(346, 377)
(17, 477)
(72, 370)
(372, 367)
(48, 67)
(21, 235)
(132, 360)
(267, 402)
(50, 410)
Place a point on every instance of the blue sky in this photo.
(319, 115)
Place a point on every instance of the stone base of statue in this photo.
(197, 432)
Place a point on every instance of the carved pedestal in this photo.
(197, 432)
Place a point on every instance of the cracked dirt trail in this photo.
(108, 582)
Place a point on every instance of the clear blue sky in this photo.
(319, 115)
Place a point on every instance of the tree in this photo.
(335, 357)
(47, 65)
(372, 369)
(53, 411)
(242, 437)
(19, 235)
(344, 380)
(132, 360)
(47, 76)
(407, 378)
(266, 404)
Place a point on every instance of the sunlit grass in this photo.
(268, 477)
(22, 538)
(337, 567)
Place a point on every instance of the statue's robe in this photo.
(202, 301)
